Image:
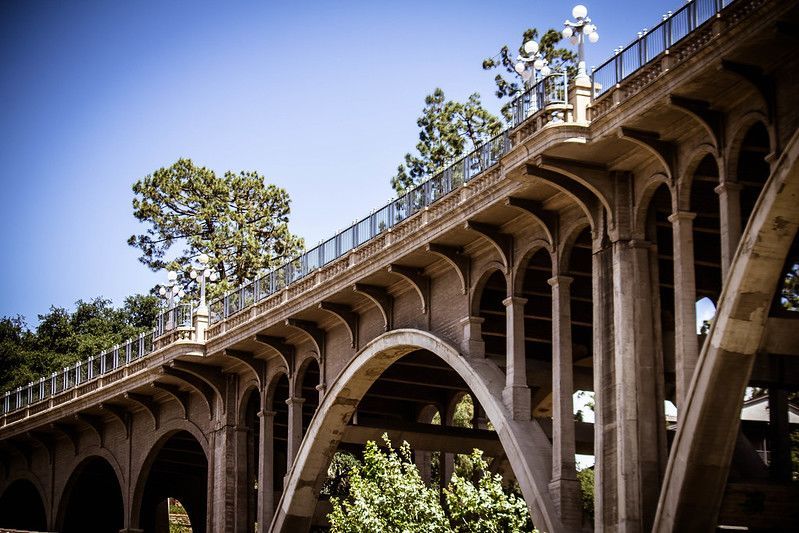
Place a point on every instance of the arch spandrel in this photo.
(523, 441)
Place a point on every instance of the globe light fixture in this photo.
(577, 32)
(532, 63)
(204, 273)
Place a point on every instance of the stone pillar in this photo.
(473, 345)
(223, 474)
(201, 319)
(730, 222)
(779, 435)
(605, 481)
(686, 345)
(564, 487)
(294, 429)
(516, 395)
(266, 488)
(423, 459)
(639, 411)
(580, 98)
(222, 467)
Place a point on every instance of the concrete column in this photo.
(201, 319)
(639, 411)
(223, 471)
(564, 487)
(686, 345)
(473, 345)
(730, 222)
(222, 467)
(266, 489)
(605, 481)
(294, 429)
(516, 394)
(779, 435)
(422, 459)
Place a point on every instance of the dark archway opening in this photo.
(180, 471)
(753, 169)
(706, 229)
(281, 434)
(310, 393)
(538, 330)
(21, 507)
(93, 500)
(252, 424)
(492, 310)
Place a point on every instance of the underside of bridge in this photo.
(578, 261)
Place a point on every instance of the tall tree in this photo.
(448, 129)
(509, 83)
(238, 220)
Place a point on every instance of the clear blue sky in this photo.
(320, 97)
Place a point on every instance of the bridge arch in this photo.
(88, 501)
(157, 479)
(692, 489)
(524, 442)
(23, 504)
(736, 140)
(693, 161)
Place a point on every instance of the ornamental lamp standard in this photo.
(203, 272)
(577, 32)
(170, 290)
(532, 63)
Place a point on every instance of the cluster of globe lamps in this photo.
(172, 290)
(533, 66)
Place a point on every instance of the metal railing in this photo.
(674, 27)
(549, 91)
(94, 367)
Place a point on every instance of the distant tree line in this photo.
(62, 337)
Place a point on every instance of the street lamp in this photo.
(203, 272)
(577, 32)
(170, 290)
(533, 61)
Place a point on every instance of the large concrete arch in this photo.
(142, 473)
(90, 454)
(693, 485)
(524, 442)
(28, 477)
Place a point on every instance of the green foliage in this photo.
(62, 338)
(586, 479)
(238, 220)
(447, 130)
(795, 455)
(509, 83)
(480, 504)
(790, 289)
(386, 493)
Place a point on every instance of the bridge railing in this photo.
(95, 367)
(549, 91)
(674, 27)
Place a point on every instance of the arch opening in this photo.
(309, 392)
(249, 447)
(93, 499)
(704, 202)
(492, 311)
(21, 507)
(369, 397)
(280, 434)
(179, 471)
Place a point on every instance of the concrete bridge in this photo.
(567, 254)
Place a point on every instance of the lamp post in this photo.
(577, 32)
(170, 290)
(532, 62)
(202, 272)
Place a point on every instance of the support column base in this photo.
(568, 502)
(517, 400)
